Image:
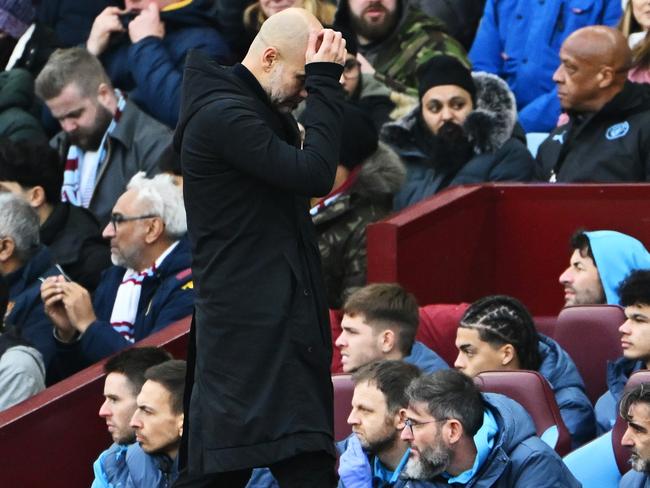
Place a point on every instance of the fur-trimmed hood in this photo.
(381, 174)
(488, 127)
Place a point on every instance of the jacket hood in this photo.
(557, 366)
(426, 359)
(616, 254)
(515, 424)
(488, 127)
(618, 372)
(204, 81)
(16, 89)
(381, 174)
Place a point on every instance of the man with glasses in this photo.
(149, 287)
(458, 436)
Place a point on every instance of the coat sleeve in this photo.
(242, 139)
(101, 340)
(577, 413)
(485, 53)
(158, 78)
(540, 467)
(515, 163)
(542, 113)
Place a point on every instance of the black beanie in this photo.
(359, 139)
(444, 70)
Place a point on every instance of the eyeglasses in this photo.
(414, 424)
(118, 218)
(350, 67)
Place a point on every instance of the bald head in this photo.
(287, 31)
(593, 69)
(601, 45)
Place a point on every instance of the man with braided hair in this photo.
(498, 333)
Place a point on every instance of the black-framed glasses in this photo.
(118, 218)
(414, 424)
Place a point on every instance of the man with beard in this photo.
(106, 139)
(374, 455)
(635, 410)
(124, 379)
(463, 131)
(461, 437)
(396, 38)
(599, 261)
(149, 287)
(262, 391)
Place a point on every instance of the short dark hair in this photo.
(640, 393)
(391, 378)
(449, 394)
(30, 164)
(387, 305)
(499, 320)
(171, 375)
(134, 362)
(635, 288)
(580, 242)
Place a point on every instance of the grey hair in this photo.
(20, 223)
(160, 196)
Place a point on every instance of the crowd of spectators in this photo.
(94, 254)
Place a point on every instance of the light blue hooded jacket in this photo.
(616, 254)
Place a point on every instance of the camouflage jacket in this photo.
(417, 39)
(341, 225)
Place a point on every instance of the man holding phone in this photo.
(143, 49)
(262, 393)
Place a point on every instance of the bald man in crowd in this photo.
(607, 136)
(262, 394)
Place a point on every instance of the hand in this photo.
(330, 50)
(69, 300)
(147, 24)
(354, 467)
(104, 25)
(54, 308)
(364, 65)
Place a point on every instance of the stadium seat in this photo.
(533, 392)
(600, 324)
(343, 390)
(437, 330)
(546, 324)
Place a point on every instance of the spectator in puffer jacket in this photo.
(143, 49)
(498, 333)
(380, 322)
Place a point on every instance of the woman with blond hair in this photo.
(634, 25)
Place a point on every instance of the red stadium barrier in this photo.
(53, 438)
(473, 241)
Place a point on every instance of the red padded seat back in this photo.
(589, 334)
(437, 330)
(532, 391)
(343, 390)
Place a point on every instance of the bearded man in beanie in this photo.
(368, 175)
(462, 132)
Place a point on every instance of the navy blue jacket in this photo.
(25, 305)
(166, 297)
(618, 372)
(426, 359)
(560, 371)
(151, 70)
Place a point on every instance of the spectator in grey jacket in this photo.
(105, 139)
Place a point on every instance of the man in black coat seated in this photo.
(262, 394)
(32, 170)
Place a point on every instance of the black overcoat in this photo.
(262, 390)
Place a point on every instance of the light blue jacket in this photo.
(616, 254)
(560, 371)
(634, 479)
(128, 466)
(520, 40)
(618, 372)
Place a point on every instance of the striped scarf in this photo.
(71, 188)
(125, 308)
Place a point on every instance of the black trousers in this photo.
(307, 470)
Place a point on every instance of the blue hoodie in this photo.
(425, 359)
(618, 372)
(560, 371)
(616, 254)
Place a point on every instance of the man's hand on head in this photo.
(147, 24)
(327, 46)
(52, 298)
